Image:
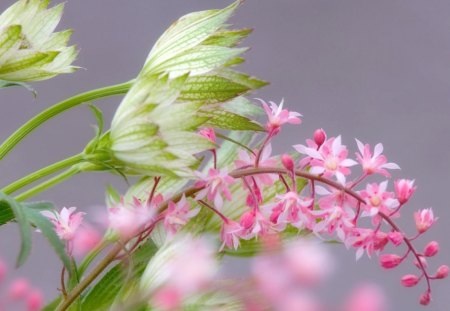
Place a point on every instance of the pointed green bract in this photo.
(29, 48)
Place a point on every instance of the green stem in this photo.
(91, 256)
(48, 183)
(58, 108)
(53, 168)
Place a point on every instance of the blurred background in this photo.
(375, 70)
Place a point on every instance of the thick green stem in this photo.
(58, 108)
(48, 183)
(53, 168)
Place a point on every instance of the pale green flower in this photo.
(30, 50)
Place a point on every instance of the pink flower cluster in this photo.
(326, 193)
(20, 292)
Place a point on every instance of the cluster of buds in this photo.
(20, 292)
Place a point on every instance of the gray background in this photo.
(376, 70)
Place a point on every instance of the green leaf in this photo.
(244, 107)
(211, 89)
(6, 213)
(109, 288)
(52, 305)
(224, 119)
(24, 227)
(242, 78)
(4, 84)
(47, 229)
(112, 196)
(228, 38)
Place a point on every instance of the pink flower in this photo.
(396, 237)
(425, 298)
(389, 261)
(410, 280)
(366, 240)
(442, 272)
(254, 224)
(404, 189)
(424, 219)
(127, 219)
(66, 222)
(208, 133)
(247, 159)
(291, 208)
(336, 219)
(319, 137)
(35, 300)
(178, 214)
(329, 160)
(18, 289)
(278, 116)
(378, 199)
(376, 163)
(215, 184)
(85, 240)
(230, 234)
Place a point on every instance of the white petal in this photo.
(348, 162)
(336, 146)
(313, 153)
(383, 186)
(340, 178)
(316, 170)
(378, 150)
(322, 190)
(360, 146)
(391, 166)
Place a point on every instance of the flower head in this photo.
(66, 222)
(178, 214)
(278, 116)
(378, 199)
(230, 234)
(404, 189)
(216, 183)
(30, 49)
(374, 163)
(424, 219)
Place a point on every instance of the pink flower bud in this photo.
(288, 162)
(442, 272)
(319, 137)
(389, 261)
(395, 237)
(425, 298)
(247, 219)
(431, 249)
(424, 219)
(410, 280)
(404, 189)
(209, 134)
(18, 289)
(35, 300)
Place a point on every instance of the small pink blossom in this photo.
(278, 116)
(85, 240)
(367, 240)
(410, 280)
(18, 289)
(329, 160)
(178, 214)
(254, 224)
(425, 298)
(208, 133)
(396, 237)
(404, 189)
(378, 199)
(230, 234)
(424, 219)
(389, 261)
(376, 163)
(66, 222)
(431, 249)
(337, 220)
(216, 183)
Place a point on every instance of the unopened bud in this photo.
(404, 189)
(395, 237)
(442, 272)
(431, 249)
(18, 289)
(425, 298)
(319, 137)
(389, 261)
(287, 162)
(410, 280)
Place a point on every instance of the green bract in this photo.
(29, 49)
(186, 83)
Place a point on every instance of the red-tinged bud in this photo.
(442, 272)
(319, 137)
(395, 237)
(410, 280)
(431, 249)
(209, 134)
(404, 189)
(425, 298)
(18, 289)
(424, 219)
(288, 162)
(389, 261)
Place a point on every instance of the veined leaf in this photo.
(8, 38)
(211, 89)
(228, 38)
(224, 119)
(244, 107)
(242, 78)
